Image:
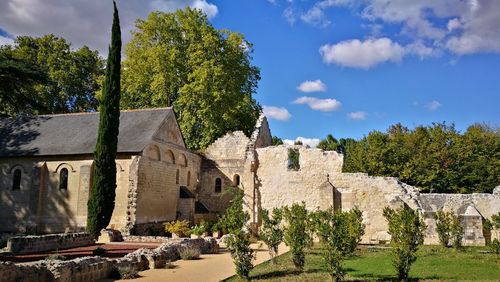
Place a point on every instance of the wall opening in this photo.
(16, 181)
(169, 157)
(188, 181)
(218, 185)
(63, 179)
(293, 159)
(236, 180)
(182, 160)
(177, 177)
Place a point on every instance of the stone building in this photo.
(46, 171)
(46, 164)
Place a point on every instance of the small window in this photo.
(177, 177)
(293, 159)
(218, 185)
(16, 181)
(236, 180)
(63, 179)
(188, 178)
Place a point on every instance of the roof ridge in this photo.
(96, 112)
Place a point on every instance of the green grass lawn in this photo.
(433, 263)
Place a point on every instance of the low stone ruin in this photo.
(42, 243)
(95, 268)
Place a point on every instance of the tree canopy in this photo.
(179, 59)
(70, 77)
(434, 158)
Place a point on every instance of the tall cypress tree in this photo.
(102, 194)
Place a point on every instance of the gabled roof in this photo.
(73, 134)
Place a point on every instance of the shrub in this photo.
(295, 231)
(238, 243)
(271, 232)
(189, 253)
(332, 226)
(443, 227)
(178, 227)
(126, 272)
(198, 230)
(99, 251)
(407, 230)
(456, 231)
(55, 256)
(242, 254)
(495, 246)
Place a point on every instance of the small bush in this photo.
(127, 272)
(99, 251)
(296, 232)
(55, 257)
(271, 232)
(456, 232)
(189, 253)
(242, 254)
(407, 233)
(443, 227)
(178, 227)
(495, 246)
(198, 230)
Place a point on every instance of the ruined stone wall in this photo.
(162, 169)
(34, 244)
(40, 205)
(224, 159)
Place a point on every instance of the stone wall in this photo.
(41, 206)
(96, 268)
(35, 244)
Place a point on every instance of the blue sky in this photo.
(344, 67)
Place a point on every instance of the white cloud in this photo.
(84, 22)
(323, 105)
(311, 142)
(433, 105)
(362, 54)
(276, 113)
(420, 49)
(312, 86)
(290, 15)
(6, 40)
(453, 24)
(315, 16)
(357, 115)
(209, 9)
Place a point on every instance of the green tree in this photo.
(179, 59)
(102, 195)
(71, 75)
(276, 141)
(456, 232)
(18, 79)
(295, 231)
(329, 143)
(407, 229)
(271, 232)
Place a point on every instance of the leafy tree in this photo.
(298, 142)
(407, 229)
(295, 231)
(70, 76)
(179, 59)
(293, 159)
(276, 141)
(271, 232)
(329, 144)
(356, 228)
(238, 243)
(18, 78)
(102, 195)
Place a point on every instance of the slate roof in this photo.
(73, 134)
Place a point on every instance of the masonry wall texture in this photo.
(149, 181)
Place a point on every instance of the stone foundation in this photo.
(35, 244)
(95, 268)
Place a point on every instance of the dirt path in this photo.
(211, 267)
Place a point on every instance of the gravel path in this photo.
(210, 267)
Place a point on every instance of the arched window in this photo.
(177, 177)
(63, 179)
(16, 181)
(188, 178)
(182, 160)
(218, 185)
(169, 157)
(236, 180)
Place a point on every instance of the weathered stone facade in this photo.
(151, 177)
